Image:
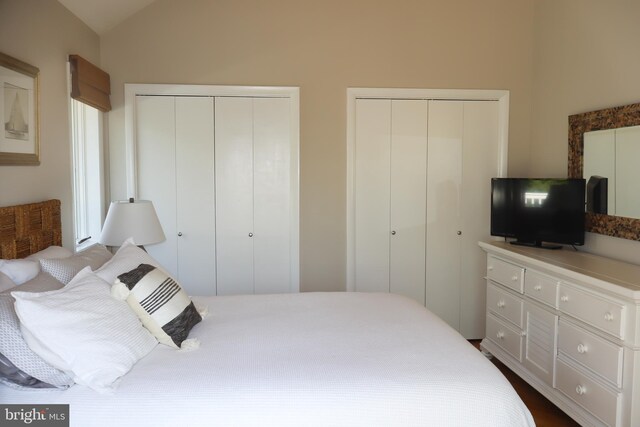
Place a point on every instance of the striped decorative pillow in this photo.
(162, 305)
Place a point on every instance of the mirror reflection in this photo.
(612, 171)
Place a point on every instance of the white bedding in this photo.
(326, 359)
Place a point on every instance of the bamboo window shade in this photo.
(89, 84)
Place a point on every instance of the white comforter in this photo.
(325, 359)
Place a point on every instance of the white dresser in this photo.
(568, 323)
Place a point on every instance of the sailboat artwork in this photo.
(19, 131)
(16, 124)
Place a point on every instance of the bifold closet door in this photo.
(444, 194)
(156, 166)
(253, 195)
(175, 171)
(372, 195)
(390, 179)
(234, 195)
(422, 170)
(479, 165)
(463, 157)
(272, 195)
(195, 207)
(408, 198)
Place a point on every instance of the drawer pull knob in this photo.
(514, 278)
(580, 389)
(490, 268)
(500, 335)
(582, 349)
(608, 317)
(501, 303)
(564, 298)
(537, 288)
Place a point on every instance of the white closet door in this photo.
(234, 195)
(479, 165)
(443, 209)
(408, 198)
(272, 193)
(372, 216)
(195, 195)
(155, 116)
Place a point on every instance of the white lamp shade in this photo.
(135, 219)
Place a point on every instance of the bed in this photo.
(302, 359)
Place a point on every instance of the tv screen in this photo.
(538, 210)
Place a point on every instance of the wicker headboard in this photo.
(27, 229)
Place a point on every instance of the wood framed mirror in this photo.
(610, 118)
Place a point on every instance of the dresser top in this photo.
(599, 270)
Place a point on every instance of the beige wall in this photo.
(325, 47)
(556, 57)
(585, 58)
(43, 33)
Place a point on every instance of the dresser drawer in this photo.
(504, 304)
(592, 396)
(599, 355)
(509, 339)
(505, 273)
(595, 310)
(542, 288)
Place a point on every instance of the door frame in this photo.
(502, 96)
(131, 90)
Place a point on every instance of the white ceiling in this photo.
(103, 15)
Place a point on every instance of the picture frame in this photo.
(19, 111)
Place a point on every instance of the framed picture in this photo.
(19, 136)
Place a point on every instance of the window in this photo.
(88, 173)
(89, 88)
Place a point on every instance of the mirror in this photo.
(606, 144)
(611, 170)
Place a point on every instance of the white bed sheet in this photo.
(326, 359)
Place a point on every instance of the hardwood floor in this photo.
(545, 413)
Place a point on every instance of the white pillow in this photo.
(18, 354)
(6, 282)
(23, 270)
(64, 269)
(19, 270)
(128, 257)
(43, 282)
(50, 253)
(82, 330)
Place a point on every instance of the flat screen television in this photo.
(537, 210)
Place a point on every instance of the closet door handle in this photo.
(250, 234)
(393, 232)
(179, 233)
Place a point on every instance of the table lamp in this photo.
(131, 218)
